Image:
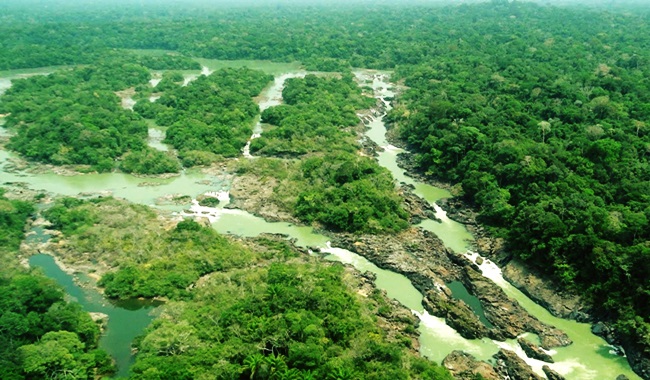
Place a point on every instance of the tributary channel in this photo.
(589, 357)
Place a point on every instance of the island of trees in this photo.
(539, 118)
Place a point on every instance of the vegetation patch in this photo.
(212, 115)
(318, 116)
(42, 335)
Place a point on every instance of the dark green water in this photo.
(126, 319)
(459, 291)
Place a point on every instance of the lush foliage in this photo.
(547, 132)
(296, 319)
(12, 221)
(336, 187)
(316, 117)
(149, 161)
(257, 309)
(212, 114)
(150, 259)
(351, 193)
(74, 117)
(41, 335)
(170, 80)
(540, 114)
(168, 62)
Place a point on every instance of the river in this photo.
(125, 319)
(588, 358)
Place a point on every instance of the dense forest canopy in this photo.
(539, 115)
(370, 36)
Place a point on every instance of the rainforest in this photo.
(325, 190)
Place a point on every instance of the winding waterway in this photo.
(125, 320)
(588, 358)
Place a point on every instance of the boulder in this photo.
(456, 313)
(464, 366)
(508, 317)
(533, 351)
(550, 374)
(510, 366)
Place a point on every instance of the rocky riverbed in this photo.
(531, 282)
(423, 258)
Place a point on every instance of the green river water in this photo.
(126, 319)
(588, 358)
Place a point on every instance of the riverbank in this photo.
(422, 258)
(19, 166)
(492, 294)
(541, 289)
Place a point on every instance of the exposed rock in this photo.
(510, 366)
(173, 199)
(639, 358)
(456, 314)
(20, 191)
(550, 374)
(417, 207)
(605, 331)
(369, 147)
(458, 210)
(508, 317)
(464, 366)
(560, 304)
(99, 318)
(494, 249)
(485, 244)
(251, 193)
(534, 352)
(149, 184)
(407, 162)
(370, 276)
(415, 253)
(395, 319)
(423, 258)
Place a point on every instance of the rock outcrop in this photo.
(423, 258)
(508, 317)
(418, 208)
(510, 366)
(456, 314)
(464, 366)
(560, 304)
(253, 194)
(534, 352)
(551, 375)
